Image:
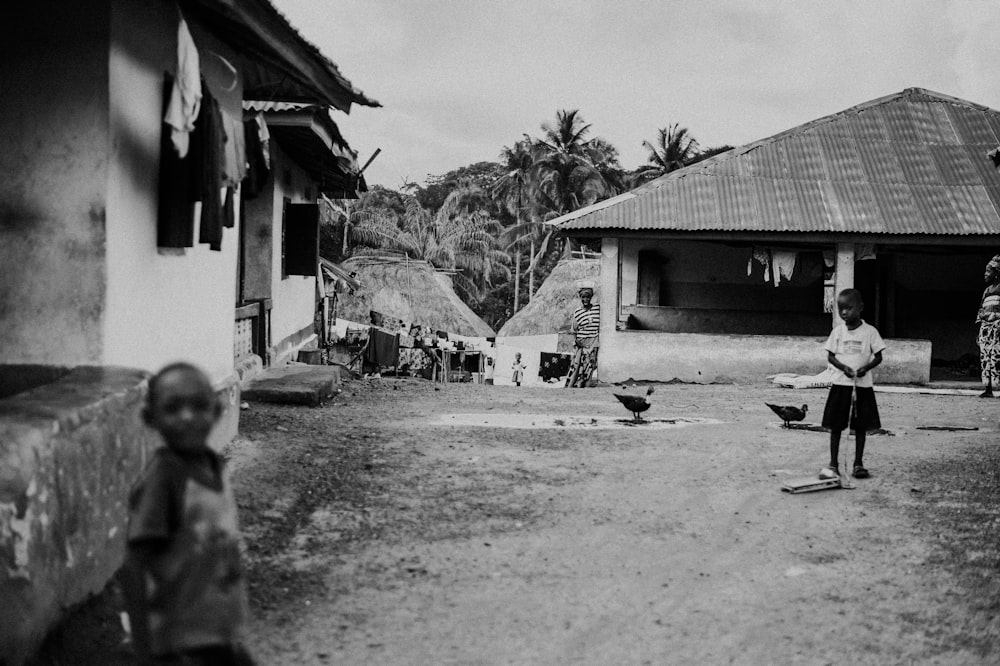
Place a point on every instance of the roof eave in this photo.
(257, 29)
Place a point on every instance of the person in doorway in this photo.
(519, 368)
(988, 319)
(853, 348)
(586, 326)
(182, 579)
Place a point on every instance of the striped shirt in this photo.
(587, 323)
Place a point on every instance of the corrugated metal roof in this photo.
(274, 59)
(909, 163)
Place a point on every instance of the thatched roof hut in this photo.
(412, 291)
(552, 305)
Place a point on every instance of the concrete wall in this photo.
(161, 305)
(54, 161)
(704, 358)
(295, 295)
(69, 452)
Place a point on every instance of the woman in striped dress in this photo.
(988, 319)
(586, 329)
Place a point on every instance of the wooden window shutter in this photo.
(301, 239)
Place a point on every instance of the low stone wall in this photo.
(69, 454)
(706, 358)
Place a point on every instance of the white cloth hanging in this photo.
(185, 97)
(864, 251)
(783, 264)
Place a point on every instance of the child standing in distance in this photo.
(519, 369)
(182, 580)
(853, 348)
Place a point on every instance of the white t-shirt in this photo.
(854, 349)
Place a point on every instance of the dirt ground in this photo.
(411, 523)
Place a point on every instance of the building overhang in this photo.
(276, 62)
(313, 141)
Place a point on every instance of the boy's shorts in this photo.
(838, 406)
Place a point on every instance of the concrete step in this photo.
(296, 384)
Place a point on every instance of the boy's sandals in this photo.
(860, 472)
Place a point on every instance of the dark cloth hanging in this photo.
(553, 366)
(257, 161)
(213, 138)
(229, 208)
(179, 184)
(197, 177)
(383, 348)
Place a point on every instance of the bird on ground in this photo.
(636, 404)
(788, 413)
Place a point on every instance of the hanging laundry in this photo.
(222, 79)
(257, 157)
(762, 256)
(783, 264)
(229, 208)
(178, 187)
(553, 366)
(209, 132)
(186, 92)
(383, 348)
(864, 251)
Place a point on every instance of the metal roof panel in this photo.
(868, 125)
(896, 205)
(842, 159)
(971, 125)
(954, 165)
(805, 157)
(917, 163)
(899, 123)
(880, 162)
(739, 203)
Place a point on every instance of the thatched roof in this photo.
(552, 305)
(411, 291)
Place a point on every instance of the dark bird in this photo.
(636, 404)
(788, 413)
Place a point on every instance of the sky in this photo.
(460, 79)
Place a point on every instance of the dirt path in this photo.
(390, 528)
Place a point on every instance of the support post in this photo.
(844, 276)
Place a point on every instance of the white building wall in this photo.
(53, 161)
(162, 305)
(293, 296)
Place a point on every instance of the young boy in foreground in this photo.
(853, 348)
(182, 578)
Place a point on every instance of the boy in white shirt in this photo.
(853, 348)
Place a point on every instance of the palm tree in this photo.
(461, 236)
(674, 148)
(512, 190)
(356, 218)
(569, 174)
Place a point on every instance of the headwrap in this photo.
(994, 263)
(585, 285)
